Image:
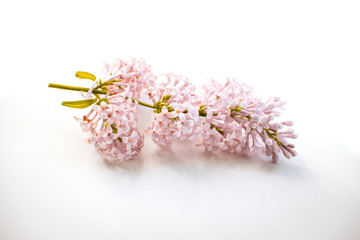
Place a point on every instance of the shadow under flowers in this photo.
(186, 158)
(132, 167)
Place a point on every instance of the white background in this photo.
(53, 185)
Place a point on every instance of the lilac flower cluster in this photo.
(113, 127)
(238, 122)
(134, 74)
(225, 116)
(177, 117)
(113, 120)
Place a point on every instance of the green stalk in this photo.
(73, 88)
(144, 104)
(95, 92)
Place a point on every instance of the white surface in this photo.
(53, 185)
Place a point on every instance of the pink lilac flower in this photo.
(177, 115)
(236, 121)
(228, 116)
(113, 127)
(134, 74)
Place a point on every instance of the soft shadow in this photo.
(133, 166)
(187, 157)
(172, 156)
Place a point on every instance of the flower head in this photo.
(236, 121)
(176, 106)
(113, 127)
(134, 74)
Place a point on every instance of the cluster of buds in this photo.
(226, 116)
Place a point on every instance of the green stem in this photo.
(273, 136)
(105, 84)
(72, 88)
(95, 92)
(144, 104)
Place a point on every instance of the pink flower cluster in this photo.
(238, 122)
(177, 117)
(133, 74)
(227, 116)
(113, 127)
